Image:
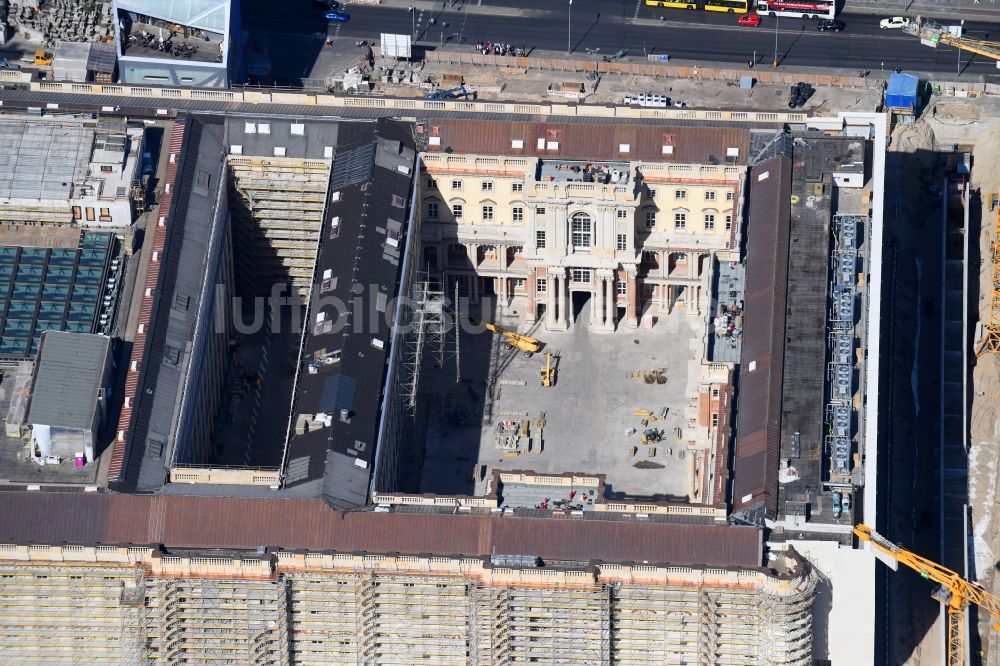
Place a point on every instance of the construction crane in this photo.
(990, 341)
(515, 340)
(933, 33)
(955, 592)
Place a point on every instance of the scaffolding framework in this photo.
(278, 206)
(330, 610)
(431, 331)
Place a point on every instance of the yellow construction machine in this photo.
(514, 340)
(549, 370)
(933, 33)
(955, 592)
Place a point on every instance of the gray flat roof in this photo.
(42, 160)
(70, 371)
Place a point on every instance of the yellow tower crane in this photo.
(933, 33)
(991, 334)
(955, 592)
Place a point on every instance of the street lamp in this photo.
(569, 28)
(413, 20)
(958, 68)
(775, 40)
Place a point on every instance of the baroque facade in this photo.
(542, 237)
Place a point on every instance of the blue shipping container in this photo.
(902, 91)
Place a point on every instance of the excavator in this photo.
(954, 592)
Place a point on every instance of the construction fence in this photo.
(761, 74)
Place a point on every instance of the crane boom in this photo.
(933, 33)
(955, 592)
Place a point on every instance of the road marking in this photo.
(638, 6)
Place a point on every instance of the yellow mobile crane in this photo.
(515, 340)
(933, 33)
(955, 592)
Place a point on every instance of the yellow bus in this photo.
(675, 4)
(730, 6)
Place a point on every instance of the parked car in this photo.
(339, 17)
(834, 25)
(836, 505)
(751, 19)
(893, 22)
(845, 504)
(7, 64)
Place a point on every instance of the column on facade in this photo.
(631, 300)
(565, 307)
(692, 259)
(611, 302)
(603, 318)
(531, 296)
(551, 319)
(597, 301)
(558, 300)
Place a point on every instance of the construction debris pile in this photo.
(729, 322)
(575, 500)
(51, 21)
(651, 376)
(649, 436)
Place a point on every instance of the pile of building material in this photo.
(3, 22)
(76, 61)
(49, 21)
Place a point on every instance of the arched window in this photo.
(517, 212)
(581, 231)
(432, 208)
(680, 218)
(709, 218)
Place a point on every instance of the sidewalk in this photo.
(763, 65)
(973, 10)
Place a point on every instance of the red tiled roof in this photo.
(590, 141)
(758, 434)
(246, 523)
(119, 451)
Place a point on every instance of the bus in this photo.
(730, 6)
(820, 9)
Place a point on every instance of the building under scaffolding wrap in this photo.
(145, 607)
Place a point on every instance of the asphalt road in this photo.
(687, 36)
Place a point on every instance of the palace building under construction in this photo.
(440, 389)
